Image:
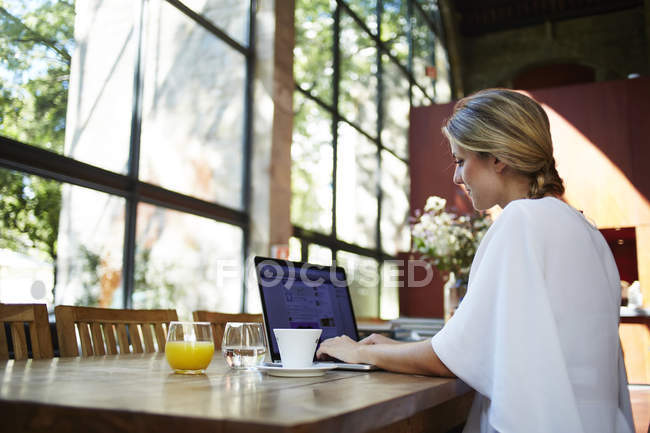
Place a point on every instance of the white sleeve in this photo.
(503, 340)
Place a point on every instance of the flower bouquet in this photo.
(449, 242)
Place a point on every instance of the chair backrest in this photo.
(17, 315)
(102, 331)
(218, 322)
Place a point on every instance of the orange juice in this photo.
(189, 355)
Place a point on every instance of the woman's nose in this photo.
(458, 179)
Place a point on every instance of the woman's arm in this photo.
(414, 358)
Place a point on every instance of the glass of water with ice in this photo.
(243, 345)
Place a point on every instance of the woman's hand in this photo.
(416, 358)
(378, 339)
(343, 348)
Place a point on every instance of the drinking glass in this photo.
(243, 345)
(189, 347)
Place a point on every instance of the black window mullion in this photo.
(156, 195)
(333, 112)
(128, 255)
(380, 125)
(30, 159)
(392, 152)
(210, 27)
(304, 247)
(338, 245)
(433, 25)
(336, 77)
(248, 137)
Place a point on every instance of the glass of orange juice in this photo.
(189, 347)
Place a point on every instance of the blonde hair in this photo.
(514, 129)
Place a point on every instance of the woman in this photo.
(537, 333)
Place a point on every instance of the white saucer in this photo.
(317, 369)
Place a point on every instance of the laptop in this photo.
(303, 295)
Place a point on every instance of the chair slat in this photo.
(84, 336)
(122, 338)
(19, 339)
(134, 333)
(218, 335)
(98, 338)
(109, 336)
(33, 335)
(214, 336)
(41, 333)
(65, 329)
(147, 338)
(160, 336)
(4, 345)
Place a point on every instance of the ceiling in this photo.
(482, 16)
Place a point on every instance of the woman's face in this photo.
(479, 175)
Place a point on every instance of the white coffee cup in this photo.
(297, 346)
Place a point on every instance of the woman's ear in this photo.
(499, 166)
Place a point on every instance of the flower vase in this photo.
(454, 291)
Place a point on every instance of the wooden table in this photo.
(139, 393)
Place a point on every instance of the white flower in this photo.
(447, 240)
(435, 204)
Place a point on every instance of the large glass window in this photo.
(394, 135)
(29, 223)
(358, 76)
(363, 278)
(192, 123)
(395, 29)
(395, 188)
(101, 76)
(313, 65)
(311, 171)
(359, 66)
(36, 46)
(122, 152)
(185, 270)
(90, 255)
(356, 183)
(231, 16)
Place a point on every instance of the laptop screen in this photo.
(301, 295)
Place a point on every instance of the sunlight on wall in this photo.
(597, 187)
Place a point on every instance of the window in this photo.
(124, 152)
(359, 65)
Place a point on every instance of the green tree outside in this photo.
(36, 40)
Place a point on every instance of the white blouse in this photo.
(537, 333)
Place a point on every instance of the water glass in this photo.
(243, 345)
(189, 347)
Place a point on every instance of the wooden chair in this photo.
(103, 330)
(35, 315)
(218, 322)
